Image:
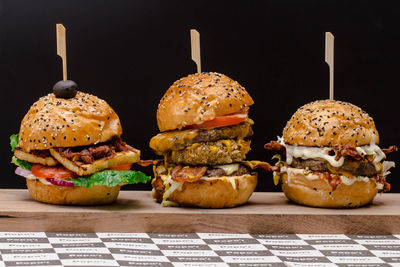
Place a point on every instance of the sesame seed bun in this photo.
(330, 123)
(57, 122)
(96, 195)
(213, 192)
(318, 193)
(198, 98)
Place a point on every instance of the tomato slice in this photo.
(221, 121)
(59, 172)
(122, 167)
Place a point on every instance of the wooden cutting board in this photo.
(135, 211)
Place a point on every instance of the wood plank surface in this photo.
(135, 211)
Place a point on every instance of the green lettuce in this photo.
(108, 177)
(22, 164)
(111, 178)
(14, 141)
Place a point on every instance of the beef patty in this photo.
(178, 140)
(210, 153)
(357, 168)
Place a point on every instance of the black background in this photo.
(130, 52)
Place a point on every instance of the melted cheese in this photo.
(193, 146)
(213, 149)
(169, 140)
(227, 143)
(252, 164)
(304, 152)
(166, 141)
(229, 168)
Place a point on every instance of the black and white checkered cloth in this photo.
(201, 249)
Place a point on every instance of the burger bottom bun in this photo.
(213, 192)
(96, 195)
(318, 193)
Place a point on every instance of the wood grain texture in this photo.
(135, 211)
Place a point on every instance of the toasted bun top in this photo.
(330, 123)
(198, 98)
(57, 122)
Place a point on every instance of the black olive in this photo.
(65, 89)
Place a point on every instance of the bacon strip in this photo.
(381, 179)
(273, 145)
(260, 164)
(147, 162)
(333, 179)
(188, 174)
(347, 150)
(390, 149)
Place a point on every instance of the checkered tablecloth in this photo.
(201, 249)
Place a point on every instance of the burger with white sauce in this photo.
(332, 157)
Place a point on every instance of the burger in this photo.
(204, 139)
(332, 157)
(70, 151)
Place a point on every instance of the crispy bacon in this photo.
(390, 149)
(333, 179)
(382, 180)
(147, 162)
(260, 164)
(91, 153)
(347, 150)
(274, 145)
(188, 174)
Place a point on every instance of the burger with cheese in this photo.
(70, 151)
(332, 156)
(205, 131)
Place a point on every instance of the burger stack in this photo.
(332, 157)
(204, 139)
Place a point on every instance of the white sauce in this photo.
(386, 165)
(33, 177)
(310, 176)
(304, 152)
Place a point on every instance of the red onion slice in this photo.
(21, 172)
(60, 182)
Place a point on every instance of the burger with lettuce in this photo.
(70, 151)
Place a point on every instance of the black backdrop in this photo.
(130, 52)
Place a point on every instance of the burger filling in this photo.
(178, 140)
(87, 155)
(345, 164)
(171, 178)
(211, 153)
(107, 171)
(200, 154)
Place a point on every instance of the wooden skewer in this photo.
(329, 48)
(61, 48)
(195, 42)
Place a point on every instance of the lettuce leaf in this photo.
(111, 178)
(108, 177)
(14, 141)
(22, 164)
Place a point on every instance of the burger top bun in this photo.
(57, 122)
(330, 123)
(198, 98)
